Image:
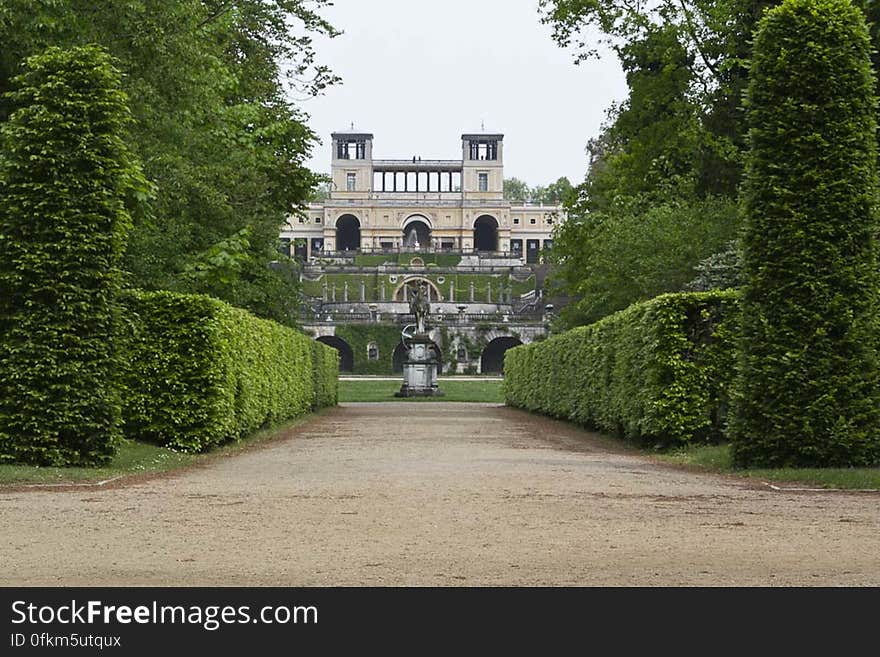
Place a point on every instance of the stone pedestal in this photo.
(420, 370)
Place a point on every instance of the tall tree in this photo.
(556, 193)
(634, 251)
(217, 136)
(516, 190)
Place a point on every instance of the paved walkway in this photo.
(438, 494)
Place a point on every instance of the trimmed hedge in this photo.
(325, 371)
(655, 372)
(202, 372)
(64, 175)
(808, 390)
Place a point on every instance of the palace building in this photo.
(444, 225)
(377, 205)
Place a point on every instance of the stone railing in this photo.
(435, 319)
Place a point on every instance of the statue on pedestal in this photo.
(420, 369)
(419, 306)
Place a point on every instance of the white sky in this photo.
(419, 73)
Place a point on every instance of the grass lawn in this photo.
(133, 458)
(368, 390)
(717, 458)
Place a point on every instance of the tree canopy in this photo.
(555, 193)
(221, 144)
(678, 140)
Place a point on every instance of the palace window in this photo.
(484, 182)
(372, 351)
(516, 221)
(462, 355)
(318, 220)
(350, 180)
(533, 221)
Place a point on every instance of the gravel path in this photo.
(438, 494)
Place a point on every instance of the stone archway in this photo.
(348, 233)
(346, 355)
(433, 290)
(492, 359)
(397, 358)
(417, 233)
(486, 233)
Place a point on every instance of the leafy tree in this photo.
(808, 382)
(321, 192)
(716, 36)
(208, 83)
(654, 138)
(65, 172)
(633, 252)
(516, 190)
(720, 271)
(555, 193)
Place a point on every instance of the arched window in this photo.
(416, 233)
(462, 354)
(372, 351)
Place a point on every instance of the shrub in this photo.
(64, 174)
(655, 372)
(807, 388)
(202, 372)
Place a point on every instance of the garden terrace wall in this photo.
(201, 372)
(657, 372)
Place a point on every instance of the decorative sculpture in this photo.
(419, 306)
(420, 368)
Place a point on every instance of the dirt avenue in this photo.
(438, 494)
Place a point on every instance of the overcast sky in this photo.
(419, 73)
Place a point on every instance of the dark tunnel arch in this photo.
(492, 359)
(346, 355)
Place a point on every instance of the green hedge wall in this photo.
(325, 372)
(201, 372)
(808, 392)
(64, 175)
(656, 372)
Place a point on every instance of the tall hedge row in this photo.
(808, 393)
(201, 372)
(64, 174)
(656, 372)
(325, 370)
